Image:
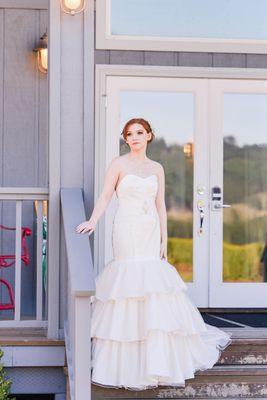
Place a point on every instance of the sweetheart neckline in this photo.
(138, 176)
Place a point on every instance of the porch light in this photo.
(188, 150)
(72, 6)
(41, 51)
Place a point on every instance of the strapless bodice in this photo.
(136, 225)
(137, 195)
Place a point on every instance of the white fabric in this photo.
(146, 332)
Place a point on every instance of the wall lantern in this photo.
(41, 51)
(72, 6)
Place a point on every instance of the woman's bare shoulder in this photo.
(158, 167)
(118, 160)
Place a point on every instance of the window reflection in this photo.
(245, 188)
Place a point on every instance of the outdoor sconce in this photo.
(41, 51)
(188, 150)
(72, 6)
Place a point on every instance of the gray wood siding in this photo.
(23, 113)
(190, 59)
(23, 131)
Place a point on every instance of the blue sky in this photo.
(172, 115)
(190, 18)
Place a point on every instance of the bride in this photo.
(145, 330)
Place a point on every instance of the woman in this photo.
(145, 332)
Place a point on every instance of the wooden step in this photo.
(27, 337)
(241, 372)
(245, 351)
(245, 382)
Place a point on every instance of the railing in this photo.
(16, 240)
(81, 286)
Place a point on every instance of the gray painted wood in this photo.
(1, 89)
(41, 356)
(23, 130)
(126, 57)
(54, 48)
(102, 57)
(80, 271)
(195, 59)
(160, 58)
(60, 396)
(42, 177)
(190, 59)
(72, 127)
(88, 110)
(27, 4)
(229, 60)
(20, 102)
(1, 128)
(256, 60)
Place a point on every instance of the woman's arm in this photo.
(161, 208)
(103, 200)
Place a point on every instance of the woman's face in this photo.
(137, 136)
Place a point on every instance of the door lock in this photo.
(216, 199)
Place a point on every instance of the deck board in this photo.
(27, 337)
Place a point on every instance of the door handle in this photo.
(216, 199)
(218, 205)
(200, 206)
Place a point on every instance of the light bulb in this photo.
(73, 4)
(43, 59)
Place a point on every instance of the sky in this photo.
(241, 19)
(171, 115)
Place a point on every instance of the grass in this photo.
(241, 263)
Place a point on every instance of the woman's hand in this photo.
(87, 226)
(163, 249)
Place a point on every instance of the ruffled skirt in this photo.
(145, 330)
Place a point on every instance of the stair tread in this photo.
(235, 370)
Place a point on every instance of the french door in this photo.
(238, 217)
(211, 138)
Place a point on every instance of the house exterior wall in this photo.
(23, 128)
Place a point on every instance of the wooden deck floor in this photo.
(27, 337)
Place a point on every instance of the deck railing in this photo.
(13, 259)
(81, 286)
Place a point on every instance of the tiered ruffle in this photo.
(145, 330)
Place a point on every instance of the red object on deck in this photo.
(7, 260)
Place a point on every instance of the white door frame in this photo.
(198, 289)
(105, 71)
(227, 294)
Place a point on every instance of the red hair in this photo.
(145, 124)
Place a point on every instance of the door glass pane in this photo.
(245, 187)
(171, 116)
(188, 19)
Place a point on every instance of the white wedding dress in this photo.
(145, 330)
